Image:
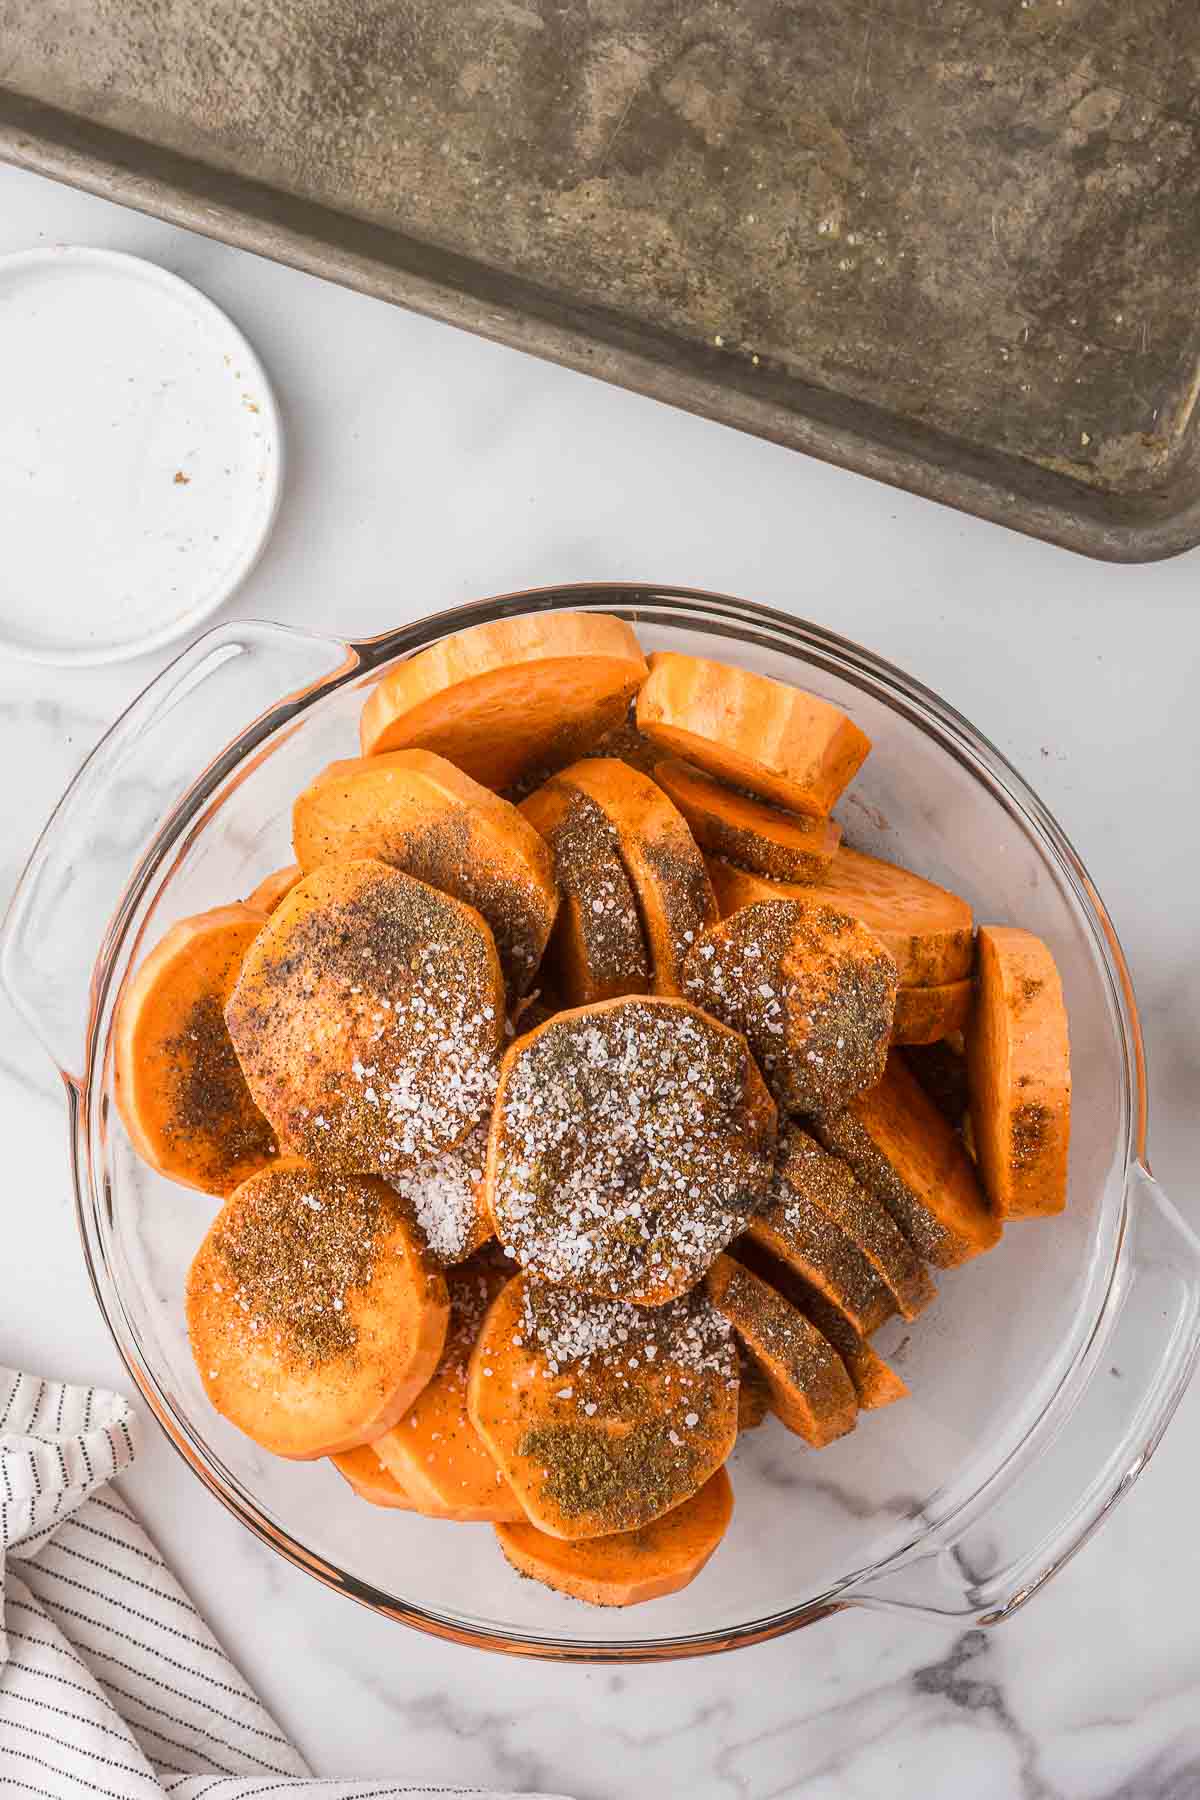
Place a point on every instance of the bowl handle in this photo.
(239, 682)
(1089, 1448)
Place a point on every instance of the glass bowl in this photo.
(1042, 1377)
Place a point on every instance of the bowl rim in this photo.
(722, 615)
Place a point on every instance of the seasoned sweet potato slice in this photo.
(179, 1088)
(941, 1070)
(752, 834)
(433, 1450)
(808, 1237)
(509, 695)
(445, 1196)
(925, 929)
(370, 1480)
(315, 1317)
(811, 990)
(674, 894)
(811, 1393)
(273, 888)
(1019, 1074)
(417, 812)
(926, 1015)
(824, 1179)
(628, 1567)
(875, 1383)
(597, 950)
(630, 1142)
(603, 1416)
(901, 1147)
(368, 1018)
(779, 742)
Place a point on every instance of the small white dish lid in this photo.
(141, 457)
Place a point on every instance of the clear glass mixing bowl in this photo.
(1041, 1379)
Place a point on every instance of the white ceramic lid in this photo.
(140, 455)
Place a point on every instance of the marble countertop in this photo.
(426, 468)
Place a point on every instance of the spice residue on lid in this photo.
(812, 990)
(369, 1019)
(629, 1148)
(295, 1247)
(444, 1195)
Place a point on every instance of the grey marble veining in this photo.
(424, 469)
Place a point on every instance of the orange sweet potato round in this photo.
(597, 950)
(509, 696)
(433, 1450)
(417, 812)
(273, 888)
(370, 1480)
(179, 1089)
(314, 1315)
(630, 1141)
(368, 1018)
(904, 1150)
(750, 833)
(629, 1567)
(1019, 1074)
(811, 1393)
(665, 866)
(925, 929)
(779, 742)
(812, 990)
(603, 1416)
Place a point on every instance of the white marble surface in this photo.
(427, 468)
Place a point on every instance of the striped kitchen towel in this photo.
(110, 1682)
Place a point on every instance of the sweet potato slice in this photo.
(179, 1088)
(828, 1183)
(314, 1315)
(926, 1015)
(627, 1567)
(273, 888)
(807, 1238)
(445, 1197)
(370, 1480)
(597, 950)
(924, 928)
(630, 1142)
(811, 1393)
(941, 1070)
(1019, 1074)
(628, 744)
(902, 1149)
(674, 894)
(376, 1484)
(603, 1416)
(368, 1018)
(811, 990)
(875, 1383)
(786, 846)
(511, 695)
(434, 1451)
(417, 812)
(779, 742)
(754, 1396)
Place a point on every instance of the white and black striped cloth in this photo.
(111, 1684)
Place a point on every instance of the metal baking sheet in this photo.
(954, 244)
